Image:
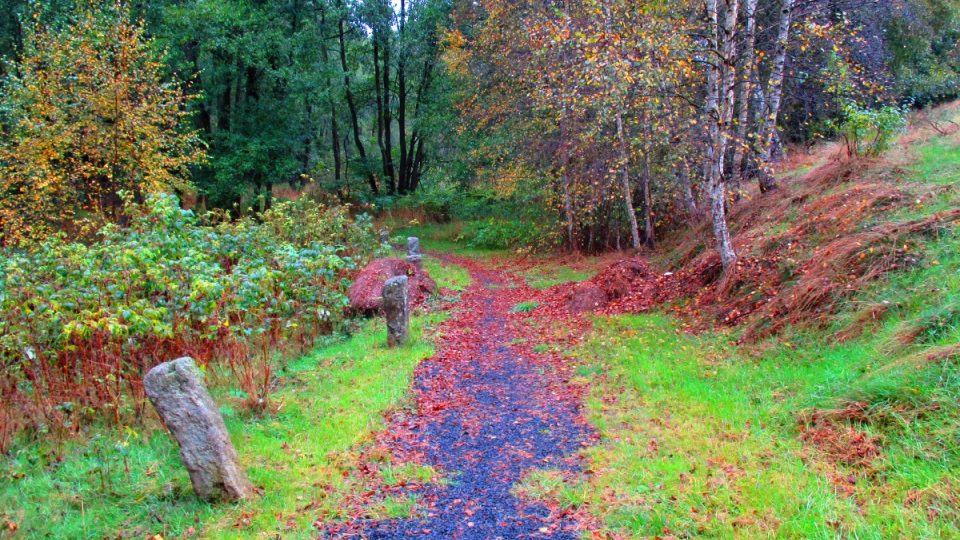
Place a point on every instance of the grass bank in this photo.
(845, 429)
(131, 484)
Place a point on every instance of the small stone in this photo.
(396, 309)
(384, 236)
(413, 246)
(414, 255)
(177, 392)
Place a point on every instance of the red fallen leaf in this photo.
(464, 354)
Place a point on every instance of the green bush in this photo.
(81, 324)
(501, 234)
(870, 132)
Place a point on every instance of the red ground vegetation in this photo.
(803, 248)
(365, 293)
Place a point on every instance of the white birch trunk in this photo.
(746, 85)
(774, 94)
(719, 107)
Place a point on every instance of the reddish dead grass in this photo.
(842, 444)
(803, 248)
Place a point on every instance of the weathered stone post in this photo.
(384, 236)
(179, 395)
(396, 308)
(414, 255)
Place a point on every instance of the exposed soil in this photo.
(488, 411)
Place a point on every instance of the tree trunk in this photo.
(625, 183)
(689, 201)
(351, 104)
(720, 82)
(649, 228)
(404, 181)
(766, 179)
(391, 185)
(416, 152)
(334, 128)
(746, 87)
(388, 119)
(565, 181)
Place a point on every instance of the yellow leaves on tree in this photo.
(89, 114)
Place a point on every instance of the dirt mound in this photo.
(365, 294)
(628, 278)
(587, 297)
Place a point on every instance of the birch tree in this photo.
(774, 93)
(720, 101)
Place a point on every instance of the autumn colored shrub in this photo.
(89, 110)
(81, 324)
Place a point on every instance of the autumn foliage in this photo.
(80, 324)
(89, 112)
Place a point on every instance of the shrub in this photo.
(870, 132)
(502, 234)
(81, 324)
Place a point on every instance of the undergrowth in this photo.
(131, 484)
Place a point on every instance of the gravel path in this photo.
(488, 411)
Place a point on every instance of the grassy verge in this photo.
(548, 275)
(701, 439)
(447, 276)
(330, 403)
(846, 431)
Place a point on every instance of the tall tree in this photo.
(772, 99)
(89, 114)
(351, 101)
(721, 26)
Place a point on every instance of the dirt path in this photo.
(489, 410)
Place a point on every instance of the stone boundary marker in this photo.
(414, 254)
(396, 309)
(179, 395)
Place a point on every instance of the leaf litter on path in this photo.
(488, 410)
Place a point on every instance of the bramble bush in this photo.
(81, 324)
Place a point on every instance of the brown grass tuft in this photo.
(868, 318)
(840, 443)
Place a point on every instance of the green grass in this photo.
(546, 276)
(447, 276)
(525, 307)
(939, 162)
(330, 403)
(701, 439)
(445, 238)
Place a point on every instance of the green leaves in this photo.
(870, 132)
(168, 284)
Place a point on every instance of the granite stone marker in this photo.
(396, 309)
(179, 395)
(414, 255)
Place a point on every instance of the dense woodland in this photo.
(601, 122)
